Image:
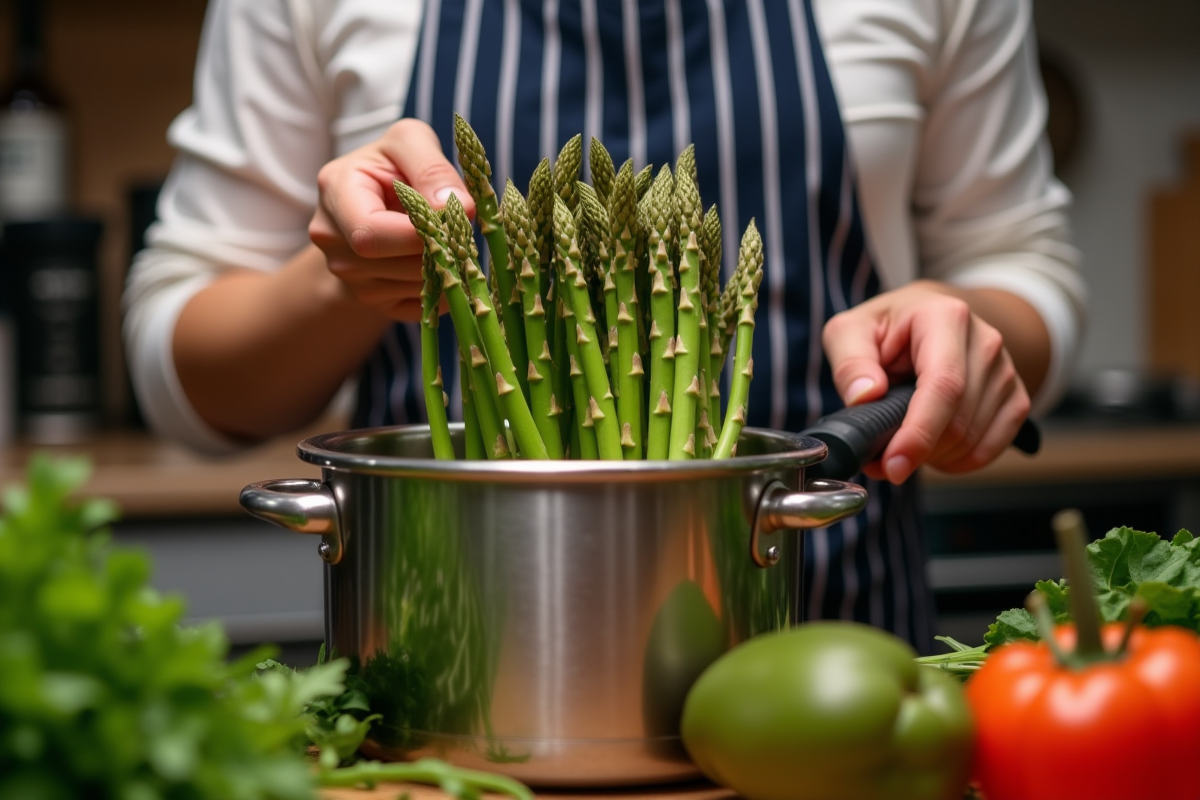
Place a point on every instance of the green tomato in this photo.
(829, 711)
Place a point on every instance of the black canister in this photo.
(51, 267)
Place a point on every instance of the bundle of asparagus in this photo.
(601, 329)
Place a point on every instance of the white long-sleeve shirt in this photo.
(941, 100)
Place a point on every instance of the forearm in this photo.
(262, 353)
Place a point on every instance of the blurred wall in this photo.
(1137, 68)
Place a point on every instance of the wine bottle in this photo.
(33, 127)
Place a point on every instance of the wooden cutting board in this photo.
(690, 791)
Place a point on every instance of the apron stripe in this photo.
(570, 107)
(726, 136)
(808, 93)
(506, 96)
(775, 281)
(529, 93)
(633, 76)
(876, 568)
(677, 77)
(837, 245)
(426, 57)
(593, 105)
(550, 76)
(467, 52)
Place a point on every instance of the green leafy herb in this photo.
(1125, 564)
(104, 695)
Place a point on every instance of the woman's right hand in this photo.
(368, 242)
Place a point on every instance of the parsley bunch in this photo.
(103, 694)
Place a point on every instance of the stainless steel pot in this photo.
(545, 619)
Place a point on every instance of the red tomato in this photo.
(1113, 730)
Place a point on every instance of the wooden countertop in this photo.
(148, 477)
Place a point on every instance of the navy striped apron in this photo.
(746, 82)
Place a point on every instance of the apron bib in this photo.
(747, 83)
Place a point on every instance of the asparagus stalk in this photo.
(472, 435)
(688, 388)
(750, 260)
(495, 347)
(431, 365)
(544, 405)
(629, 371)
(477, 174)
(435, 237)
(603, 172)
(583, 429)
(602, 408)
(661, 209)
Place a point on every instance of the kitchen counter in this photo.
(148, 477)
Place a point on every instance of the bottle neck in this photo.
(28, 89)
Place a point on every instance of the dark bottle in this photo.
(53, 273)
(33, 127)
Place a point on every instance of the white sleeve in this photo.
(946, 116)
(281, 87)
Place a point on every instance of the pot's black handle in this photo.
(856, 435)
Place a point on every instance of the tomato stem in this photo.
(1072, 537)
(1036, 604)
(1138, 608)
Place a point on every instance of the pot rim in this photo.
(343, 451)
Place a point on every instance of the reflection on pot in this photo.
(685, 638)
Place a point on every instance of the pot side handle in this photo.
(821, 503)
(301, 505)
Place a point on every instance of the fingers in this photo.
(969, 400)
(852, 343)
(368, 242)
(416, 151)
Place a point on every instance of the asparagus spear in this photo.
(603, 172)
(544, 405)
(661, 210)
(593, 227)
(541, 212)
(710, 245)
(434, 235)
(750, 260)
(477, 174)
(630, 374)
(601, 406)
(566, 171)
(643, 180)
(688, 389)
(461, 239)
(431, 365)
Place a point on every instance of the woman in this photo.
(238, 330)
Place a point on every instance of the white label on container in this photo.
(33, 164)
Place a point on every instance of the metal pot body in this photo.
(546, 619)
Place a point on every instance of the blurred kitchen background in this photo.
(1124, 84)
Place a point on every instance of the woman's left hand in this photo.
(969, 400)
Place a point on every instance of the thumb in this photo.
(417, 152)
(850, 343)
